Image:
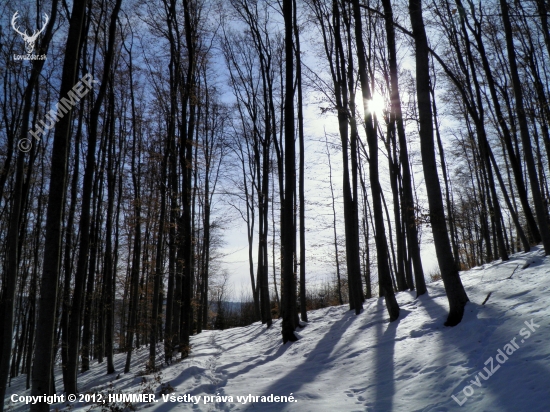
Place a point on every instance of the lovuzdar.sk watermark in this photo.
(29, 40)
(491, 366)
(79, 90)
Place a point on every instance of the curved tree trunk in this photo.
(453, 285)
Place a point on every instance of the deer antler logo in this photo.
(29, 40)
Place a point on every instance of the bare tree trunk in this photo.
(336, 258)
(8, 292)
(301, 178)
(542, 8)
(158, 276)
(7, 304)
(107, 300)
(288, 231)
(88, 298)
(524, 131)
(409, 218)
(448, 202)
(80, 275)
(173, 298)
(191, 37)
(453, 285)
(136, 254)
(380, 235)
(43, 358)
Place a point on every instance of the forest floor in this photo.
(496, 359)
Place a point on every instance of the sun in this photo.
(376, 105)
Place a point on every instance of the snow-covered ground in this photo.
(496, 359)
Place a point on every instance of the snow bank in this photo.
(496, 359)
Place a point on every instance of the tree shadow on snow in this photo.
(318, 360)
(384, 372)
(483, 331)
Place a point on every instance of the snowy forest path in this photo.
(217, 376)
(211, 380)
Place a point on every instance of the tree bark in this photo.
(301, 178)
(540, 209)
(43, 358)
(409, 218)
(372, 140)
(453, 285)
(7, 300)
(288, 231)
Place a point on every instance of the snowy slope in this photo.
(344, 362)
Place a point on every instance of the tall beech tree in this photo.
(449, 270)
(301, 177)
(372, 140)
(540, 209)
(43, 355)
(7, 303)
(84, 226)
(288, 229)
(334, 20)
